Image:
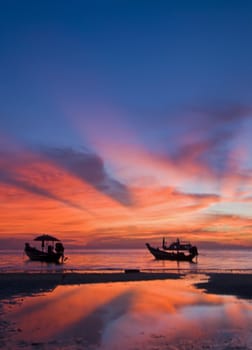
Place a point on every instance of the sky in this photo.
(125, 121)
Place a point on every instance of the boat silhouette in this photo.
(47, 253)
(178, 251)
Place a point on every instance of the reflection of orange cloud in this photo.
(104, 314)
(66, 306)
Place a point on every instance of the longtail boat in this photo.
(178, 251)
(47, 253)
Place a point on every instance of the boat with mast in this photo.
(178, 251)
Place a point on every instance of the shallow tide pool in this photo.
(167, 314)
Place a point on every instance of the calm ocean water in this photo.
(118, 260)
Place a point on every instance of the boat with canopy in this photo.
(52, 250)
(179, 251)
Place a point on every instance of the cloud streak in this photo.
(89, 168)
(125, 192)
(211, 136)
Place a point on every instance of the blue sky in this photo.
(151, 59)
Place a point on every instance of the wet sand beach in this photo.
(236, 284)
(126, 311)
(11, 284)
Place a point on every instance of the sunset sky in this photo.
(125, 121)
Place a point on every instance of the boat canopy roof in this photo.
(46, 237)
(177, 245)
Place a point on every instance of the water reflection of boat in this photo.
(48, 252)
(179, 251)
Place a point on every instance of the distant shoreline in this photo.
(21, 284)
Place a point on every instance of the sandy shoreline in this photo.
(12, 284)
(239, 285)
(100, 311)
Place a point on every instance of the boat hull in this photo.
(160, 254)
(38, 255)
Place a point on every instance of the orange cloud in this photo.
(124, 194)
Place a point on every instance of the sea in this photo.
(118, 260)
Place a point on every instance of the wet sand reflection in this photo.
(170, 314)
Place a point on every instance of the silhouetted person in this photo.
(50, 249)
(59, 248)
